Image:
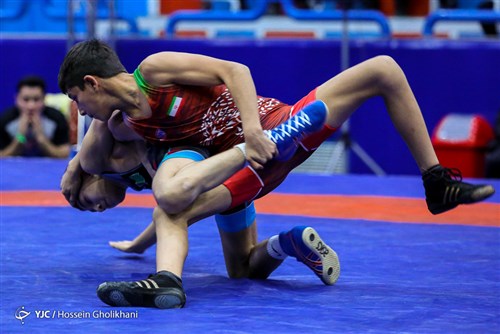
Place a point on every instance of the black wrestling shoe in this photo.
(444, 189)
(161, 290)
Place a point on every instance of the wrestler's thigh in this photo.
(167, 171)
(345, 92)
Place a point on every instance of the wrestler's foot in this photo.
(305, 244)
(126, 246)
(444, 189)
(287, 135)
(162, 290)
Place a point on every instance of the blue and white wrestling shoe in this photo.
(305, 244)
(287, 135)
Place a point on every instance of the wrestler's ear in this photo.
(91, 81)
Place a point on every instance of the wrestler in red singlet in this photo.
(199, 116)
(207, 117)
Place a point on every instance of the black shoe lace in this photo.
(447, 173)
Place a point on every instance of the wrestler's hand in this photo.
(259, 149)
(71, 182)
(127, 246)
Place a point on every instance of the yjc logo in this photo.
(21, 314)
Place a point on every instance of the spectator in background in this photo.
(30, 128)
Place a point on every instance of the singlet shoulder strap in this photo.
(139, 78)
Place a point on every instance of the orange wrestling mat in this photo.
(377, 208)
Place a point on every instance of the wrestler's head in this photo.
(98, 194)
(83, 76)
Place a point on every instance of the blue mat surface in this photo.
(396, 278)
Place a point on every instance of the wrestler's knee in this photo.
(245, 272)
(240, 267)
(388, 73)
(165, 200)
(158, 214)
(243, 269)
(174, 196)
(257, 274)
(384, 63)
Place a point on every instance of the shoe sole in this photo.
(329, 260)
(116, 295)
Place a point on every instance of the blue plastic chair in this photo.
(472, 15)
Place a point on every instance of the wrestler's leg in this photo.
(380, 76)
(247, 258)
(179, 181)
(164, 289)
(244, 257)
(171, 229)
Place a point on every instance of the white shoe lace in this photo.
(290, 128)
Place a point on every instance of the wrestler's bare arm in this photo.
(95, 143)
(120, 130)
(101, 152)
(166, 68)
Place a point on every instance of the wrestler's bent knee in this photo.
(174, 197)
(389, 73)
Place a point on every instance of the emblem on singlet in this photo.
(175, 106)
(138, 180)
(160, 134)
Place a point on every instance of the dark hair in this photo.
(91, 57)
(31, 81)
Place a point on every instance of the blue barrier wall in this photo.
(447, 76)
(50, 16)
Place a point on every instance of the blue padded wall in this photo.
(447, 76)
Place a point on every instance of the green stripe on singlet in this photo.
(140, 80)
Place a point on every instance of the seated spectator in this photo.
(30, 128)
